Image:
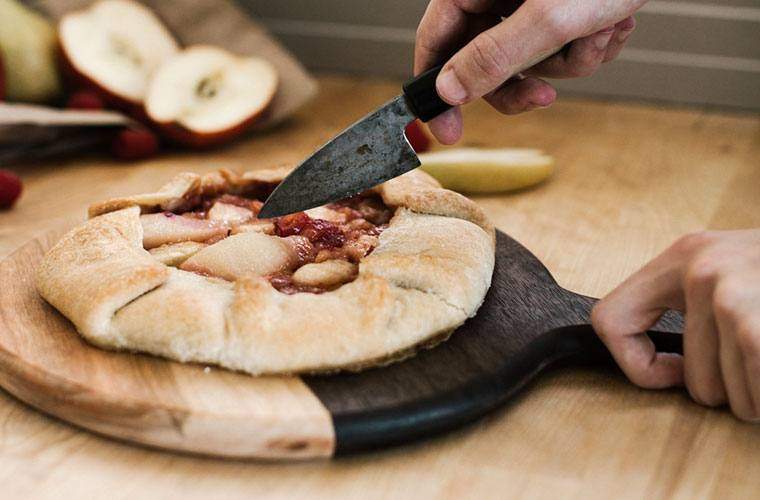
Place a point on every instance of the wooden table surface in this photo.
(630, 179)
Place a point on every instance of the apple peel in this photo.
(205, 96)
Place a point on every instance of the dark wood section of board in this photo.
(526, 324)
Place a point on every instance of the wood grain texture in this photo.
(144, 399)
(526, 324)
(630, 179)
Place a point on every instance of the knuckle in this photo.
(693, 242)
(726, 298)
(701, 272)
(488, 56)
(602, 320)
(554, 22)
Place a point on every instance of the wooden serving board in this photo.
(526, 324)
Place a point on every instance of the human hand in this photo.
(714, 278)
(502, 60)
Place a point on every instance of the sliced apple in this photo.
(229, 214)
(257, 226)
(205, 96)
(327, 214)
(160, 229)
(174, 254)
(473, 170)
(244, 253)
(114, 47)
(325, 274)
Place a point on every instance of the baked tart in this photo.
(192, 274)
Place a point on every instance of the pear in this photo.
(474, 170)
(28, 53)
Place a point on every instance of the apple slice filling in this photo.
(312, 252)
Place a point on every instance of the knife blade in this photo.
(369, 152)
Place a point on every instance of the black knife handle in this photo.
(422, 97)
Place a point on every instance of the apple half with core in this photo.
(205, 96)
(113, 48)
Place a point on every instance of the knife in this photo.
(369, 152)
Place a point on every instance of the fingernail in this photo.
(602, 40)
(533, 106)
(450, 88)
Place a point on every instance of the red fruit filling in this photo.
(351, 234)
(321, 233)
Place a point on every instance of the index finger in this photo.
(442, 28)
(622, 318)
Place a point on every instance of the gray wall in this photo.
(703, 52)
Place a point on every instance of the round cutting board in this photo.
(526, 324)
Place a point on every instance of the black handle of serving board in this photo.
(422, 97)
(581, 345)
(573, 345)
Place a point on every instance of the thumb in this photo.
(495, 55)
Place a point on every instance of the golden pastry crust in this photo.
(428, 274)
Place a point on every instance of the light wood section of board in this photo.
(144, 399)
(629, 180)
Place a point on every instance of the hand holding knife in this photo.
(367, 153)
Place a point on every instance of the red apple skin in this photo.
(134, 144)
(85, 99)
(179, 134)
(417, 137)
(10, 189)
(78, 80)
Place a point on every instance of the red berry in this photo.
(320, 232)
(134, 144)
(417, 137)
(84, 99)
(10, 188)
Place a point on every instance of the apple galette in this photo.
(192, 274)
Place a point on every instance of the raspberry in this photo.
(417, 137)
(134, 144)
(84, 99)
(10, 188)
